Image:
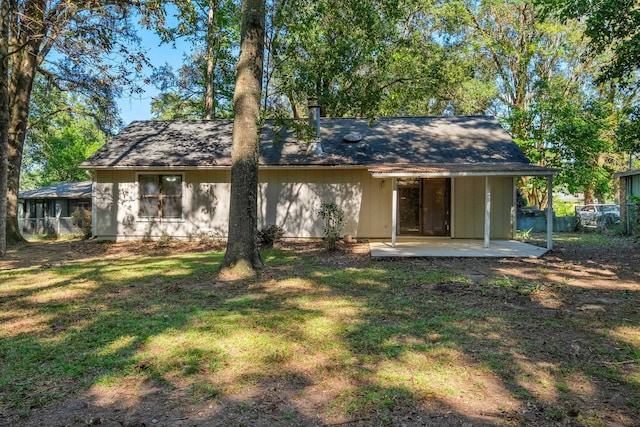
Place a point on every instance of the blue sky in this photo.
(138, 107)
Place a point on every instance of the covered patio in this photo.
(447, 247)
(451, 214)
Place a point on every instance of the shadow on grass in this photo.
(372, 343)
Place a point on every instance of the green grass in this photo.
(380, 329)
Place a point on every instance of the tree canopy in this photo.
(82, 46)
(611, 25)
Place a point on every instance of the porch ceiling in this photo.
(446, 247)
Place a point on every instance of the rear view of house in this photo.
(411, 176)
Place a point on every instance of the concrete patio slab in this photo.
(439, 247)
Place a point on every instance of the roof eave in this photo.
(627, 173)
(445, 174)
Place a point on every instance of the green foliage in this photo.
(578, 135)
(182, 95)
(564, 208)
(333, 217)
(82, 218)
(173, 106)
(269, 235)
(515, 285)
(611, 25)
(212, 28)
(165, 240)
(301, 129)
(62, 135)
(628, 131)
(367, 59)
(524, 234)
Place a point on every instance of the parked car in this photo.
(595, 215)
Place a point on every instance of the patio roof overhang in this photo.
(459, 170)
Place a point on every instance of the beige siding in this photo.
(468, 202)
(205, 207)
(289, 198)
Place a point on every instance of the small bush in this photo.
(165, 240)
(333, 218)
(269, 235)
(82, 218)
(50, 233)
(206, 238)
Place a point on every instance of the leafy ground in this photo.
(144, 334)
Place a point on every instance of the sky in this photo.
(138, 106)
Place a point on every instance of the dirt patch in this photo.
(598, 285)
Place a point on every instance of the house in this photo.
(407, 176)
(629, 188)
(49, 209)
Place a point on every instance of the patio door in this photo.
(424, 207)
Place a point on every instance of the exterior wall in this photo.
(633, 187)
(629, 211)
(205, 198)
(288, 198)
(468, 205)
(291, 198)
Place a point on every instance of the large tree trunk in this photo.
(4, 121)
(26, 43)
(242, 257)
(209, 97)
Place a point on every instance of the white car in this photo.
(595, 215)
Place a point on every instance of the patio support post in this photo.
(550, 212)
(487, 212)
(514, 209)
(394, 210)
(94, 220)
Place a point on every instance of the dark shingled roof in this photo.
(64, 190)
(386, 142)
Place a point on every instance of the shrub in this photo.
(270, 235)
(333, 218)
(50, 232)
(165, 240)
(206, 238)
(82, 218)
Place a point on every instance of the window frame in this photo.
(159, 175)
